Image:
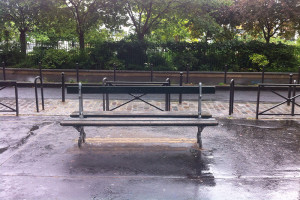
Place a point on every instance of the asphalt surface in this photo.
(221, 95)
(241, 159)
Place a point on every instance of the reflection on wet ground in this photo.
(241, 159)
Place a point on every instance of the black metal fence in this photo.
(289, 99)
(5, 84)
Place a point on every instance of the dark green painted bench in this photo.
(112, 118)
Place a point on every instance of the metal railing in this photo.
(5, 84)
(36, 93)
(291, 98)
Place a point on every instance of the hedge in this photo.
(132, 55)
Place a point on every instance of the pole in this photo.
(40, 67)
(257, 102)
(263, 75)
(3, 68)
(187, 73)
(77, 72)
(180, 84)
(299, 76)
(114, 65)
(151, 65)
(225, 74)
(63, 87)
(290, 90)
(293, 101)
(231, 98)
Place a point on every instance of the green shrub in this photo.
(259, 60)
(56, 59)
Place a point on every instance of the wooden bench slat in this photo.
(140, 122)
(141, 89)
(177, 114)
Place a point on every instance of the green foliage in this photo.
(132, 55)
(56, 58)
(260, 60)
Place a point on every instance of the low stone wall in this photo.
(96, 76)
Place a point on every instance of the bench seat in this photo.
(109, 114)
(140, 122)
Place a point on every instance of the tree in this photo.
(206, 19)
(88, 13)
(269, 17)
(23, 14)
(146, 15)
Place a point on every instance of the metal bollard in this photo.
(63, 87)
(263, 75)
(294, 99)
(40, 67)
(225, 74)
(231, 97)
(36, 93)
(151, 79)
(180, 84)
(115, 67)
(187, 73)
(290, 89)
(299, 76)
(77, 72)
(4, 73)
(168, 96)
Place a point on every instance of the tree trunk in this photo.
(267, 39)
(23, 41)
(81, 40)
(141, 36)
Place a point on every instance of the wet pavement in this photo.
(241, 159)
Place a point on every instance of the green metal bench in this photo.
(112, 118)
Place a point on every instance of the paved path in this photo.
(219, 109)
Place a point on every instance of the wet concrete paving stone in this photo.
(241, 159)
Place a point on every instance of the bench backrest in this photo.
(140, 89)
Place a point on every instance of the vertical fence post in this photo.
(187, 73)
(40, 67)
(77, 72)
(257, 102)
(180, 84)
(63, 87)
(168, 96)
(290, 89)
(263, 75)
(115, 67)
(36, 93)
(225, 74)
(17, 99)
(4, 73)
(151, 65)
(231, 98)
(294, 99)
(299, 76)
(104, 95)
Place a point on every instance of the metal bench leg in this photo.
(82, 135)
(199, 140)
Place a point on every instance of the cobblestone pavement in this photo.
(219, 109)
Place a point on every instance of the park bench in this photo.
(82, 118)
